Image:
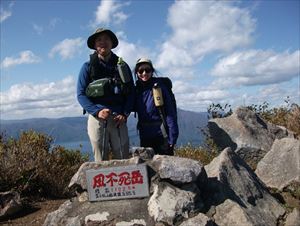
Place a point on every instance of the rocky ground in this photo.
(34, 214)
(37, 211)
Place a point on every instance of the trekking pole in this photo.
(119, 134)
(104, 138)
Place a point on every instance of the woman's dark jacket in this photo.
(149, 120)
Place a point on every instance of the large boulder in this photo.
(179, 170)
(174, 196)
(246, 133)
(100, 213)
(281, 165)
(237, 193)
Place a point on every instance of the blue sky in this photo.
(235, 52)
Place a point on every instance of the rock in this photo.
(134, 222)
(293, 219)
(10, 203)
(54, 217)
(168, 204)
(281, 165)
(97, 217)
(199, 220)
(246, 133)
(179, 170)
(73, 221)
(230, 178)
(144, 153)
(102, 212)
(231, 213)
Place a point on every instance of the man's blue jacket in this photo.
(117, 103)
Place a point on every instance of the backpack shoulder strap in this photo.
(93, 61)
(166, 81)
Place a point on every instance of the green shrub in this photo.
(31, 166)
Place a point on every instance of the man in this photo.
(108, 101)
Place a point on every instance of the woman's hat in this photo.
(144, 60)
(91, 39)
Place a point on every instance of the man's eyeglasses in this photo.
(147, 70)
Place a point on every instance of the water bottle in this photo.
(123, 71)
(157, 96)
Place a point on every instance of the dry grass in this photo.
(197, 153)
(288, 116)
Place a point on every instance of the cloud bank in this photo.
(36, 100)
(25, 57)
(256, 67)
(67, 48)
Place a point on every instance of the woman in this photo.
(157, 126)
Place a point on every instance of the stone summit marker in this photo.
(117, 182)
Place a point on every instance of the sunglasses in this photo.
(147, 70)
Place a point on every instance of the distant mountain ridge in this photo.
(74, 129)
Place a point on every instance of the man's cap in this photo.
(144, 60)
(91, 39)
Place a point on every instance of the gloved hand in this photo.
(119, 119)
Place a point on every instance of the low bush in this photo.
(30, 166)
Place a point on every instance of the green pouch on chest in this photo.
(99, 88)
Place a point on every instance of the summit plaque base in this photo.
(122, 182)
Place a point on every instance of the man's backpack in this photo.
(103, 81)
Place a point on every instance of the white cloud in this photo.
(275, 95)
(6, 13)
(109, 12)
(25, 57)
(256, 67)
(192, 97)
(202, 27)
(53, 22)
(38, 29)
(67, 48)
(55, 99)
(130, 52)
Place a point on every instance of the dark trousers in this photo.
(159, 145)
